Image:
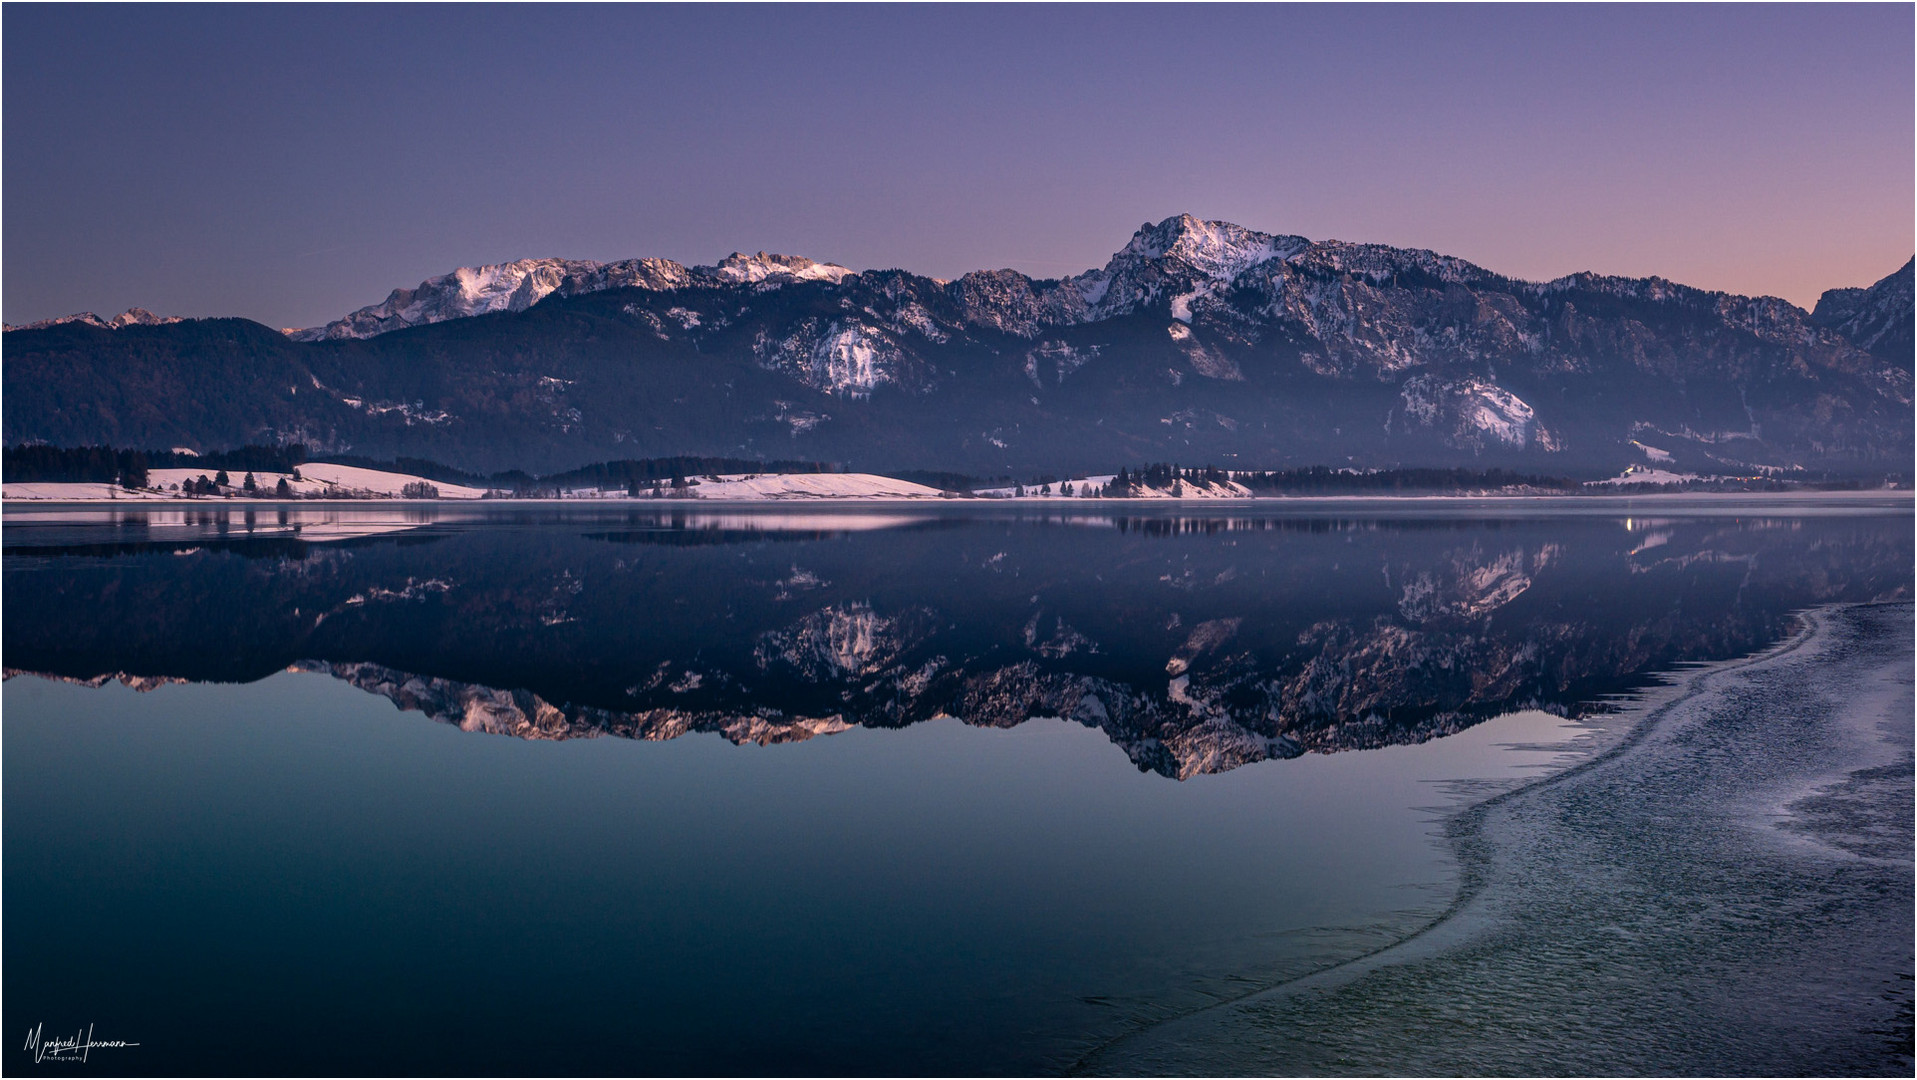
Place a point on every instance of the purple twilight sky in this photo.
(291, 163)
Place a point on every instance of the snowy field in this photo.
(320, 480)
(317, 480)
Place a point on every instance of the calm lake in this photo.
(554, 789)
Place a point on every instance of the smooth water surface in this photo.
(834, 792)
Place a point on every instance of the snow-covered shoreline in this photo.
(324, 483)
(1888, 498)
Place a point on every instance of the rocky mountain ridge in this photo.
(129, 317)
(1183, 258)
(518, 285)
(1197, 341)
(1877, 319)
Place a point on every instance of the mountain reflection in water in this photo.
(1196, 644)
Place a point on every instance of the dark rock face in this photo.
(1877, 319)
(1197, 342)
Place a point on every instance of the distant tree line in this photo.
(944, 481)
(644, 472)
(1162, 476)
(78, 464)
(1320, 479)
(281, 459)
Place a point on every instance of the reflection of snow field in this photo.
(233, 520)
(812, 486)
(70, 492)
(775, 521)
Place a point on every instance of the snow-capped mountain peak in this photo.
(467, 291)
(740, 267)
(1182, 257)
(518, 285)
(129, 317)
(1218, 249)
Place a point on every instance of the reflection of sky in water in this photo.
(934, 897)
(286, 853)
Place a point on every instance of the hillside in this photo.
(1197, 342)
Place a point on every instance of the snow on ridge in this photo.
(1379, 262)
(847, 358)
(752, 269)
(1196, 258)
(518, 285)
(467, 291)
(1219, 249)
(129, 317)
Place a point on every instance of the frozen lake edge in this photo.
(1690, 900)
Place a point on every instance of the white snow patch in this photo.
(1472, 411)
(739, 267)
(387, 483)
(1640, 474)
(317, 480)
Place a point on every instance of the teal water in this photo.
(751, 794)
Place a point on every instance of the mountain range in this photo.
(1197, 342)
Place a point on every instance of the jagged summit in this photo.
(1197, 340)
(469, 290)
(1181, 257)
(1218, 249)
(777, 268)
(1877, 319)
(129, 317)
(518, 285)
(1184, 262)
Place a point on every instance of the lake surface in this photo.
(846, 790)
